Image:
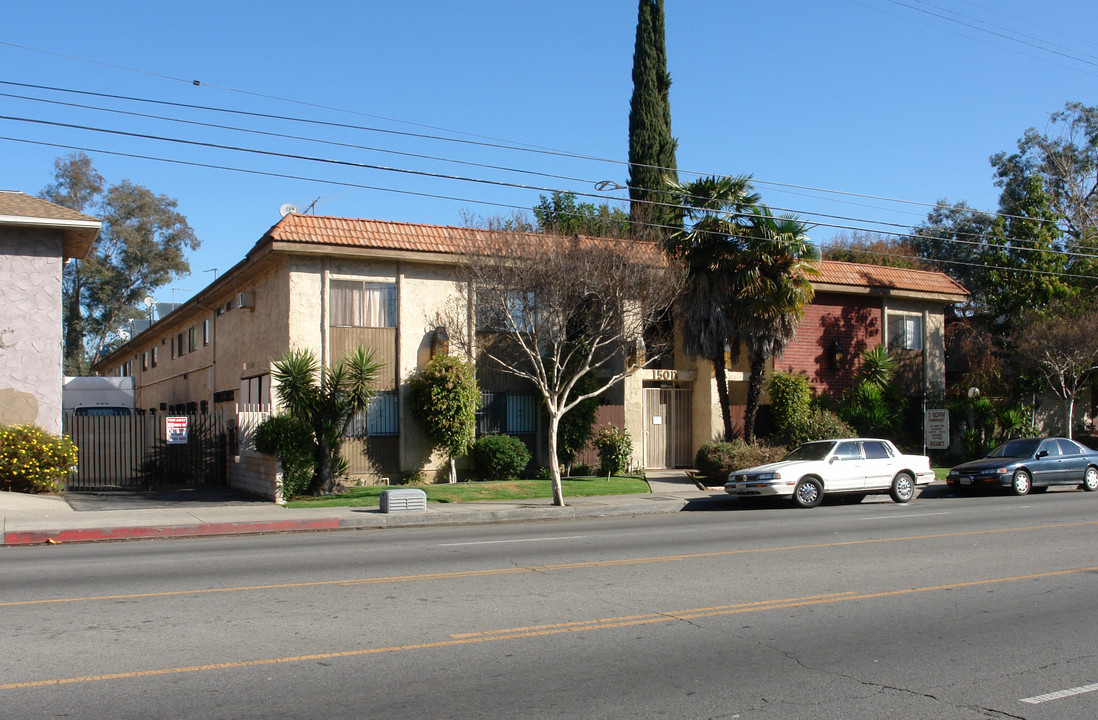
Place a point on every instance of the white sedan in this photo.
(854, 467)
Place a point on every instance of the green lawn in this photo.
(370, 495)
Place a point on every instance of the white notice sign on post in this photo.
(936, 426)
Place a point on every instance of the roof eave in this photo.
(886, 291)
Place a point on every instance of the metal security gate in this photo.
(133, 453)
(667, 427)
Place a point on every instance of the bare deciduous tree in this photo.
(1062, 347)
(550, 310)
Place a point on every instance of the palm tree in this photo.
(712, 247)
(769, 292)
(325, 400)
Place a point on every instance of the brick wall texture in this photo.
(849, 324)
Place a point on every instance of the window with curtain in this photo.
(905, 332)
(356, 303)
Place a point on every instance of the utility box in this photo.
(403, 500)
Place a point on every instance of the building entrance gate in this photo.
(667, 427)
(133, 453)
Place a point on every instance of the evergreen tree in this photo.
(651, 147)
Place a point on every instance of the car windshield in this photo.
(1015, 449)
(811, 451)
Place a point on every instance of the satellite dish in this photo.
(148, 301)
(287, 209)
(124, 335)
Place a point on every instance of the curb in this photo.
(55, 537)
(359, 521)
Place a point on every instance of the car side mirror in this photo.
(1041, 454)
(831, 460)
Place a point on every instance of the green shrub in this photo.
(500, 457)
(823, 424)
(873, 405)
(790, 405)
(581, 470)
(715, 460)
(444, 398)
(292, 443)
(615, 447)
(415, 477)
(33, 460)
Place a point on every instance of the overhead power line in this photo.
(812, 214)
(432, 175)
(362, 186)
(511, 147)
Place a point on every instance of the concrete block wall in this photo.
(256, 474)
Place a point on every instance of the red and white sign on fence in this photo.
(176, 426)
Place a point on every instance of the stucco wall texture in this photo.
(30, 328)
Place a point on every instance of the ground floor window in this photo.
(508, 413)
(380, 418)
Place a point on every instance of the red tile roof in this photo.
(408, 237)
(833, 272)
(444, 239)
(376, 234)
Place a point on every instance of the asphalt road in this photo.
(971, 607)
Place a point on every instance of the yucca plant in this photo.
(325, 399)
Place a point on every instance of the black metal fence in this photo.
(133, 453)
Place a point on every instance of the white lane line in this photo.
(889, 517)
(498, 542)
(1038, 699)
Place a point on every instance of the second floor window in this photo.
(517, 316)
(905, 332)
(356, 303)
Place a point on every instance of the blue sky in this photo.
(901, 99)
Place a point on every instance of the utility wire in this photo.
(417, 155)
(992, 32)
(361, 186)
(553, 153)
(438, 176)
(496, 183)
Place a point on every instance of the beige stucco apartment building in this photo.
(36, 239)
(328, 284)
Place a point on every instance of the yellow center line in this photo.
(542, 568)
(541, 631)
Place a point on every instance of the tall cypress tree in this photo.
(651, 147)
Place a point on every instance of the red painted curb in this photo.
(37, 537)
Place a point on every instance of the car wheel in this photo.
(903, 488)
(853, 498)
(808, 493)
(1021, 483)
(1090, 479)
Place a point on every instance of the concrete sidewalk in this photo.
(37, 519)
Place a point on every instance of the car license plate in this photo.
(966, 481)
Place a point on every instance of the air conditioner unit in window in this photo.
(245, 300)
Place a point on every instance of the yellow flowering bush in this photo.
(33, 460)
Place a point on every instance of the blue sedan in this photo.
(1030, 464)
